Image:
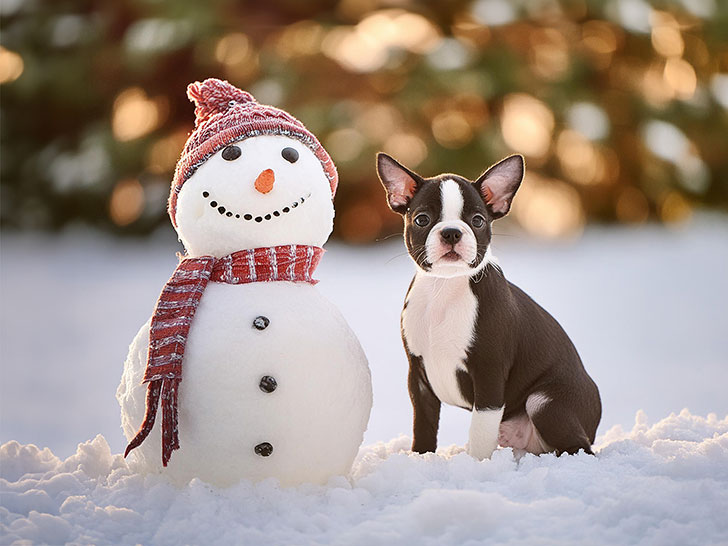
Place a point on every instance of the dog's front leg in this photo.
(485, 423)
(425, 407)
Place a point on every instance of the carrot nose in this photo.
(265, 180)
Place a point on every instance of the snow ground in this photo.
(647, 309)
(659, 485)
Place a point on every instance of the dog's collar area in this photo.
(224, 211)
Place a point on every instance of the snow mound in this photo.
(665, 483)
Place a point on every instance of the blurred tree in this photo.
(620, 107)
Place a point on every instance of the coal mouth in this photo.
(224, 211)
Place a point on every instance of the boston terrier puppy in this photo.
(473, 339)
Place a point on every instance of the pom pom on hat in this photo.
(226, 114)
(215, 97)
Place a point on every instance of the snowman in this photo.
(244, 370)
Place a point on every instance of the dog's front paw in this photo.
(484, 433)
(480, 452)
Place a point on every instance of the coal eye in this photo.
(231, 153)
(422, 220)
(290, 154)
(478, 221)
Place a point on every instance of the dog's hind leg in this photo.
(519, 432)
(557, 424)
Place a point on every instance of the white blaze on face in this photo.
(297, 209)
(451, 217)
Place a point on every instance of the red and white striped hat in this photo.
(225, 114)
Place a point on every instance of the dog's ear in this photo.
(400, 183)
(499, 183)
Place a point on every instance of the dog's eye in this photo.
(422, 220)
(478, 221)
(231, 153)
(290, 154)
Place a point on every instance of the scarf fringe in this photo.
(153, 392)
(166, 390)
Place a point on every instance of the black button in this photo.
(264, 449)
(268, 383)
(261, 323)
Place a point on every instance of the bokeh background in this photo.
(619, 230)
(620, 107)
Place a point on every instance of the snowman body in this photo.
(266, 364)
(274, 382)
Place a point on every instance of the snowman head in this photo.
(249, 176)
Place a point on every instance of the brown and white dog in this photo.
(473, 339)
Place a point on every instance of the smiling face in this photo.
(447, 219)
(259, 192)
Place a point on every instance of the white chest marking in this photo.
(438, 324)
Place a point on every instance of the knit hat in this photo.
(226, 114)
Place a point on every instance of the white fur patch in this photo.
(452, 201)
(438, 323)
(484, 427)
(535, 402)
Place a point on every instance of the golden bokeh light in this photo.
(127, 202)
(674, 208)
(407, 148)
(345, 144)
(549, 53)
(235, 52)
(451, 129)
(11, 65)
(365, 47)
(527, 124)
(667, 41)
(232, 48)
(665, 36)
(354, 51)
(162, 156)
(135, 114)
(299, 39)
(378, 121)
(548, 208)
(654, 88)
(580, 159)
(399, 28)
(600, 40)
(467, 30)
(632, 206)
(680, 76)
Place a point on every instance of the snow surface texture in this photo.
(661, 484)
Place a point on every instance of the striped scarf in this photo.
(176, 308)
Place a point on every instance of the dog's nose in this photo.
(264, 182)
(451, 235)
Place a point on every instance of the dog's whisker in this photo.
(381, 239)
